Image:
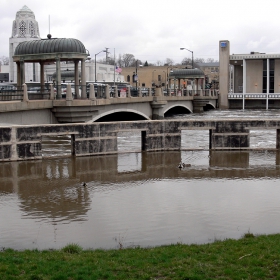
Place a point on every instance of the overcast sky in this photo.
(153, 30)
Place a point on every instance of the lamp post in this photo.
(165, 78)
(189, 51)
(135, 75)
(95, 63)
(167, 74)
(153, 82)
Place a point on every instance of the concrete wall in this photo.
(254, 74)
(277, 76)
(224, 49)
(44, 116)
(25, 142)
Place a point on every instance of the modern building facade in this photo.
(248, 80)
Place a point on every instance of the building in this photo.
(4, 73)
(150, 76)
(105, 73)
(24, 28)
(211, 72)
(248, 80)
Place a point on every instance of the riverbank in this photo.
(251, 257)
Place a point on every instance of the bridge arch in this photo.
(110, 112)
(182, 106)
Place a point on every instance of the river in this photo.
(142, 199)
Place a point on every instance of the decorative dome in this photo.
(47, 46)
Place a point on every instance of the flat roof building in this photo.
(248, 80)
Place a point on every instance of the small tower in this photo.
(25, 28)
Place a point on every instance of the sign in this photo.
(135, 78)
(4, 77)
(123, 93)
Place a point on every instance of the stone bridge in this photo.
(98, 106)
(25, 142)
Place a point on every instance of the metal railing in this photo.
(11, 95)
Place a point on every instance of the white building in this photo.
(24, 28)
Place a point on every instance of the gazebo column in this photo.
(203, 86)
(42, 78)
(77, 95)
(58, 79)
(22, 73)
(18, 74)
(83, 74)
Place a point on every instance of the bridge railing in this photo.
(11, 94)
(38, 92)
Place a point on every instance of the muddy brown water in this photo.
(142, 199)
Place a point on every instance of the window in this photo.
(128, 78)
(159, 78)
(271, 75)
(22, 29)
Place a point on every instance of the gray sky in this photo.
(153, 30)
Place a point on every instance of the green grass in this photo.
(251, 257)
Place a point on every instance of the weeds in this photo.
(72, 248)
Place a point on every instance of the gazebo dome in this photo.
(186, 73)
(47, 46)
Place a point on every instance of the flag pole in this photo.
(114, 67)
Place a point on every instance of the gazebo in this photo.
(196, 75)
(52, 50)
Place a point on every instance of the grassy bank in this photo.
(247, 258)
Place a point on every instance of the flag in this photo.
(118, 69)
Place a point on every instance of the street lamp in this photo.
(95, 63)
(189, 51)
(153, 80)
(167, 74)
(135, 76)
(165, 78)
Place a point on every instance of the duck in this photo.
(181, 165)
(84, 184)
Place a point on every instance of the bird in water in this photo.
(84, 184)
(182, 165)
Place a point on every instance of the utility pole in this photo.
(107, 54)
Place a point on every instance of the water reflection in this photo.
(52, 189)
(142, 198)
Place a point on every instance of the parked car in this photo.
(7, 87)
(64, 89)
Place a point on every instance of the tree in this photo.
(169, 62)
(146, 63)
(128, 60)
(4, 60)
(186, 61)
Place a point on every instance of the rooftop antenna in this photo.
(49, 35)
